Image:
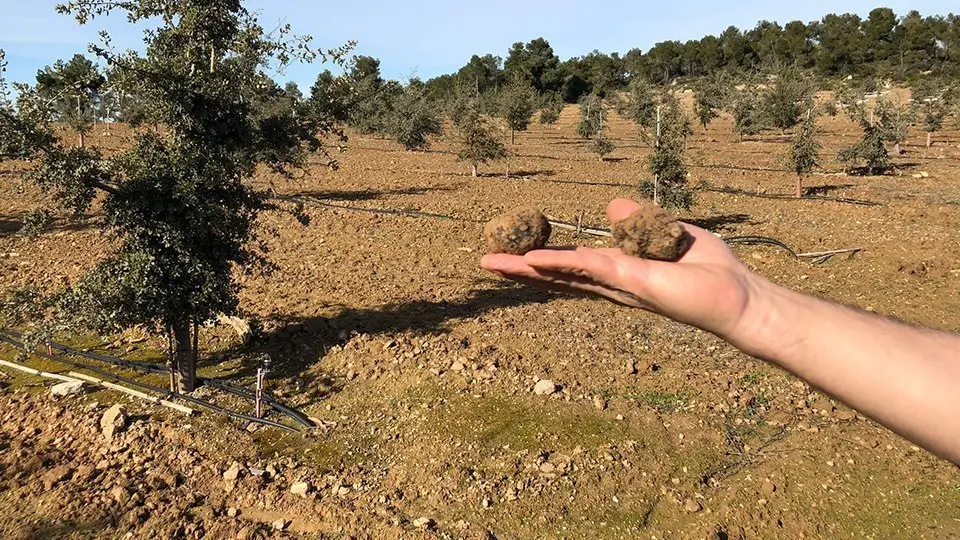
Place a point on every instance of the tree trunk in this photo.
(799, 186)
(473, 168)
(896, 148)
(184, 357)
(83, 140)
(513, 137)
(929, 142)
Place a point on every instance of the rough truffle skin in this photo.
(517, 232)
(651, 233)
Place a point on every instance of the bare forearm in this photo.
(903, 377)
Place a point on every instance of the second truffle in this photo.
(517, 232)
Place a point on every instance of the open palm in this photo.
(708, 288)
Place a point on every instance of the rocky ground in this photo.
(453, 405)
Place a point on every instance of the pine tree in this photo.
(803, 155)
(74, 90)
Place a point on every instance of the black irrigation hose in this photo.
(760, 240)
(164, 393)
(734, 191)
(297, 416)
(411, 213)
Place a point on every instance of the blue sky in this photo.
(430, 37)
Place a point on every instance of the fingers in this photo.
(502, 263)
(620, 209)
(580, 262)
(561, 282)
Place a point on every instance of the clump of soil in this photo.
(651, 233)
(517, 232)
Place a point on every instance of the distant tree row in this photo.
(882, 45)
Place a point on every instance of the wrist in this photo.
(766, 329)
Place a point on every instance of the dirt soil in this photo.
(421, 368)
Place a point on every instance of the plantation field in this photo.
(421, 367)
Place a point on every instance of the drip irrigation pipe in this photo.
(733, 191)
(760, 240)
(297, 416)
(164, 393)
(411, 213)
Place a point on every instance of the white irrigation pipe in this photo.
(147, 397)
(37, 372)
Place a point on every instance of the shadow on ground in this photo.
(826, 189)
(721, 223)
(297, 344)
(369, 195)
(10, 225)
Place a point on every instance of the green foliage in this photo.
(639, 106)
(331, 98)
(784, 102)
(178, 200)
(25, 127)
(517, 104)
(850, 100)
(710, 97)
(869, 152)
(602, 146)
(476, 139)
(666, 163)
(574, 88)
(804, 153)
(838, 45)
(892, 120)
(593, 115)
(482, 73)
(72, 91)
(415, 118)
(661, 401)
(593, 125)
(596, 73)
(35, 223)
(374, 98)
(748, 118)
(536, 64)
(930, 104)
(551, 109)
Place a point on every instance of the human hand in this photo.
(708, 288)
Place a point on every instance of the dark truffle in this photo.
(651, 233)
